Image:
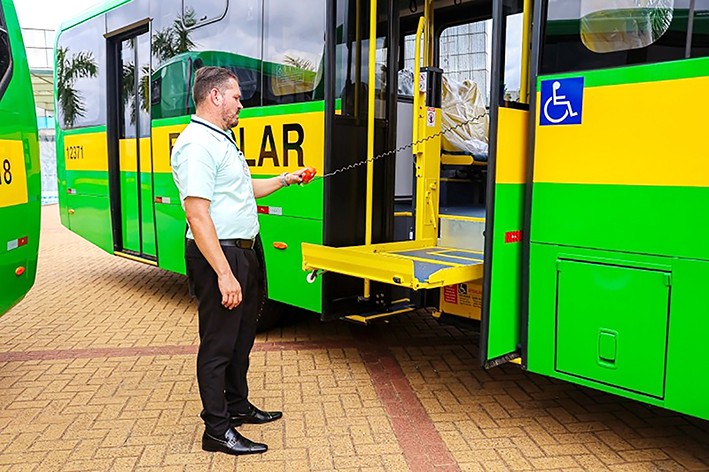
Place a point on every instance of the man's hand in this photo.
(297, 176)
(205, 236)
(231, 290)
(265, 187)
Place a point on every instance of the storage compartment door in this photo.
(612, 325)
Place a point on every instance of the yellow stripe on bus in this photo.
(271, 144)
(13, 177)
(86, 152)
(511, 160)
(652, 133)
(128, 155)
(129, 158)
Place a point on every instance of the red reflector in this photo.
(513, 236)
(23, 241)
(281, 246)
(262, 209)
(19, 271)
(158, 199)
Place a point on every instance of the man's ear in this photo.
(216, 96)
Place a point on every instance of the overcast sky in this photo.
(49, 14)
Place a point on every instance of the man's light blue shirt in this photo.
(206, 163)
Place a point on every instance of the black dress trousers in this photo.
(226, 336)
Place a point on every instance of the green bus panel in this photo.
(26, 225)
(304, 201)
(87, 182)
(637, 73)
(506, 278)
(170, 226)
(147, 215)
(130, 215)
(685, 388)
(284, 272)
(611, 324)
(19, 153)
(164, 187)
(687, 385)
(62, 186)
(90, 218)
(640, 219)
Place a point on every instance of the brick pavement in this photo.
(97, 373)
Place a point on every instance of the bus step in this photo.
(400, 307)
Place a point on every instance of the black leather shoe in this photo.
(255, 416)
(232, 443)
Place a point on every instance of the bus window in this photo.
(599, 34)
(406, 75)
(512, 72)
(464, 55)
(623, 24)
(5, 55)
(196, 13)
(234, 42)
(700, 31)
(293, 45)
(81, 82)
(352, 59)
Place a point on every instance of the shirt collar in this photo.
(227, 134)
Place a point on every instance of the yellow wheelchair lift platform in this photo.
(420, 263)
(408, 264)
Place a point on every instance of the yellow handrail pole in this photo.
(417, 115)
(526, 32)
(417, 84)
(358, 57)
(428, 39)
(370, 129)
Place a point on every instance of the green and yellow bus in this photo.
(20, 196)
(533, 168)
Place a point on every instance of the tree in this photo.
(299, 62)
(128, 86)
(175, 39)
(69, 70)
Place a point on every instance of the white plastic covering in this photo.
(406, 82)
(620, 25)
(462, 102)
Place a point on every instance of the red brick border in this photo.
(423, 447)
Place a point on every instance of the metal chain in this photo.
(403, 148)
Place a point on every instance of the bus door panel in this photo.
(147, 192)
(346, 130)
(134, 151)
(509, 118)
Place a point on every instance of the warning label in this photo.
(464, 294)
(450, 294)
(463, 299)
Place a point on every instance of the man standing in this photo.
(218, 196)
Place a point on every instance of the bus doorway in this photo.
(431, 183)
(130, 154)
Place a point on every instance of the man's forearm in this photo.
(265, 187)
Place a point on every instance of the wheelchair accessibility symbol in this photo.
(562, 102)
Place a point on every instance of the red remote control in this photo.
(308, 175)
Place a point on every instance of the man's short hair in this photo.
(208, 78)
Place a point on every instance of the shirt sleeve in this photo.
(196, 170)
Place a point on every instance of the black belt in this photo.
(240, 243)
